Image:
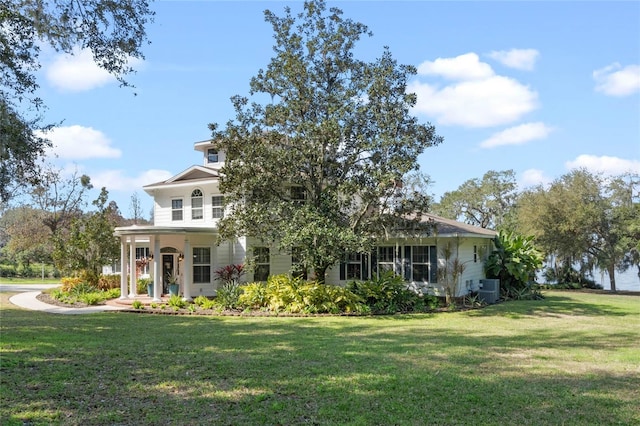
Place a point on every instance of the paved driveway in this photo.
(26, 287)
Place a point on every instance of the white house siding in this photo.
(279, 262)
(162, 205)
(469, 280)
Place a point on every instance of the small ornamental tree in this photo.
(90, 243)
(321, 166)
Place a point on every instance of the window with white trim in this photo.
(176, 209)
(386, 259)
(354, 266)
(196, 205)
(420, 263)
(142, 260)
(201, 265)
(217, 207)
(212, 156)
(262, 263)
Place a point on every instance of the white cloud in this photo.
(77, 72)
(463, 67)
(522, 59)
(79, 143)
(477, 97)
(518, 135)
(604, 164)
(116, 180)
(533, 177)
(614, 80)
(490, 102)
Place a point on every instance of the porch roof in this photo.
(450, 227)
(122, 231)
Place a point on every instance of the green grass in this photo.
(571, 359)
(12, 280)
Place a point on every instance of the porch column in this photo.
(132, 268)
(157, 275)
(123, 267)
(187, 271)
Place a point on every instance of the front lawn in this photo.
(572, 358)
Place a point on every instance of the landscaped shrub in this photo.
(254, 296)
(204, 302)
(322, 298)
(228, 294)
(7, 271)
(141, 285)
(82, 288)
(284, 293)
(176, 302)
(388, 294)
(107, 282)
(90, 298)
(84, 293)
(68, 283)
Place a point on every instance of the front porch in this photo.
(170, 255)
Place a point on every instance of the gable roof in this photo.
(190, 176)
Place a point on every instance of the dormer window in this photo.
(196, 204)
(212, 156)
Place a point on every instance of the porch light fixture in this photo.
(181, 257)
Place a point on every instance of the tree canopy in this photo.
(481, 202)
(585, 219)
(114, 32)
(323, 164)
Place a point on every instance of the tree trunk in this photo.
(320, 273)
(612, 276)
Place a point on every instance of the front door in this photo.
(167, 270)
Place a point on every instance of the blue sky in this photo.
(537, 87)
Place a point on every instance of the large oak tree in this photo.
(482, 202)
(320, 160)
(114, 32)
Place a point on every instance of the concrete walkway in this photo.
(27, 299)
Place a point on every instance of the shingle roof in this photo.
(445, 226)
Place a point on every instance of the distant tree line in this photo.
(581, 221)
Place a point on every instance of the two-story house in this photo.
(183, 242)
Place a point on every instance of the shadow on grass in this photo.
(139, 369)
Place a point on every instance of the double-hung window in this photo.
(424, 264)
(386, 259)
(217, 207)
(196, 204)
(212, 156)
(201, 265)
(354, 266)
(176, 209)
(420, 262)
